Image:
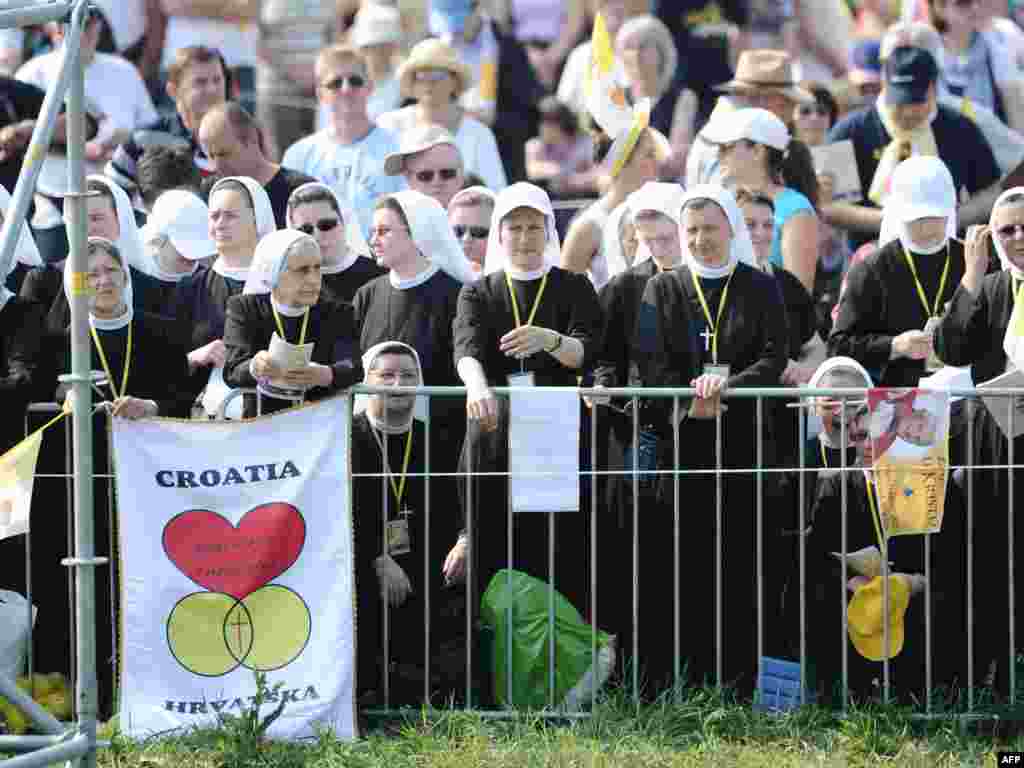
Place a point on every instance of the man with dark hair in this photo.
(235, 144)
(166, 167)
(197, 81)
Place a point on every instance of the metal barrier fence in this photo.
(931, 700)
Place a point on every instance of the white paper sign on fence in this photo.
(236, 558)
(544, 450)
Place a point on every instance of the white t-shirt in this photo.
(475, 141)
(354, 171)
(236, 41)
(113, 85)
(127, 20)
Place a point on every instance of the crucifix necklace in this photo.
(710, 333)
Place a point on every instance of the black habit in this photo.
(670, 352)
(249, 326)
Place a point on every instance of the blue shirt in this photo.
(788, 203)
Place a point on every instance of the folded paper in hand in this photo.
(287, 357)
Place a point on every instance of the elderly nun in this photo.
(526, 322)
(981, 329)
(391, 518)
(240, 214)
(282, 302)
(716, 323)
(315, 209)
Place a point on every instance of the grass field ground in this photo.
(702, 730)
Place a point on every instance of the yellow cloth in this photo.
(904, 144)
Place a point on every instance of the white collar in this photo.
(114, 323)
(523, 276)
(287, 309)
(334, 269)
(380, 426)
(234, 273)
(712, 273)
(404, 285)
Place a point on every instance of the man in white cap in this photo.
(431, 163)
(348, 154)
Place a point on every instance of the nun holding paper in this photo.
(280, 321)
(984, 328)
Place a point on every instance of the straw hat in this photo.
(761, 70)
(433, 54)
(864, 617)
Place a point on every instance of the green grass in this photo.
(704, 729)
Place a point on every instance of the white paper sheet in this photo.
(948, 378)
(544, 450)
(839, 160)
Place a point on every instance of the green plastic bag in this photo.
(575, 676)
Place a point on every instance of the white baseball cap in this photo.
(757, 125)
(184, 218)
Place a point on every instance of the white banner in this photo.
(236, 557)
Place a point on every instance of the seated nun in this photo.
(282, 303)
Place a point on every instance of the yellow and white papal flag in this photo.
(17, 473)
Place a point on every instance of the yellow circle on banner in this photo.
(280, 627)
(195, 633)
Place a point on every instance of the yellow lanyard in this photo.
(397, 488)
(934, 311)
(875, 519)
(711, 333)
(515, 304)
(280, 325)
(106, 366)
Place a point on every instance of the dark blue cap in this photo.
(909, 71)
(866, 62)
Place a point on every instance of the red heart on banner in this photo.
(235, 560)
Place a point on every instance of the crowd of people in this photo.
(382, 184)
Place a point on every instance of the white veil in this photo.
(662, 197)
(129, 242)
(263, 210)
(741, 249)
(271, 259)
(521, 195)
(430, 230)
(355, 243)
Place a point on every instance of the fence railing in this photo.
(682, 495)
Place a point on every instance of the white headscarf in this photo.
(184, 219)
(354, 243)
(269, 262)
(832, 364)
(741, 249)
(521, 195)
(433, 236)
(106, 324)
(419, 410)
(920, 187)
(1004, 260)
(25, 252)
(129, 242)
(265, 222)
(469, 191)
(661, 197)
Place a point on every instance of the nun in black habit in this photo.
(283, 298)
(716, 323)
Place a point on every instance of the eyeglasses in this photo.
(431, 75)
(380, 233)
(477, 233)
(1010, 231)
(324, 225)
(446, 174)
(964, 3)
(806, 110)
(353, 81)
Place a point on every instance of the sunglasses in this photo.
(446, 174)
(477, 233)
(964, 3)
(353, 81)
(1010, 230)
(324, 225)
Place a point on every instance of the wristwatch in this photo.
(557, 344)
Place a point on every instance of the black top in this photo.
(250, 325)
(342, 286)
(752, 336)
(620, 301)
(800, 315)
(881, 301)
(420, 317)
(20, 330)
(972, 331)
(278, 189)
(569, 306)
(158, 369)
